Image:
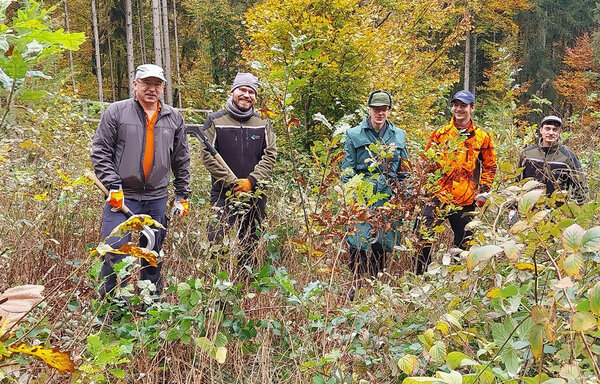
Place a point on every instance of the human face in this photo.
(462, 112)
(244, 97)
(148, 90)
(550, 134)
(379, 115)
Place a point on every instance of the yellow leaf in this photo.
(408, 363)
(41, 196)
(221, 355)
(53, 357)
(134, 223)
(27, 144)
(2, 158)
(64, 176)
(493, 293)
(316, 253)
(525, 267)
(142, 253)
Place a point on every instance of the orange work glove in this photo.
(243, 185)
(115, 197)
(180, 207)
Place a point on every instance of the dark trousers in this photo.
(367, 263)
(458, 220)
(245, 220)
(155, 209)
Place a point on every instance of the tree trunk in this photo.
(142, 33)
(156, 32)
(97, 50)
(129, 38)
(112, 73)
(167, 53)
(70, 52)
(177, 68)
(467, 61)
(474, 65)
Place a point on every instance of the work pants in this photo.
(458, 220)
(246, 222)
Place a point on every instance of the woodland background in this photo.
(523, 305)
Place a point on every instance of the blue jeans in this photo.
(155, 209)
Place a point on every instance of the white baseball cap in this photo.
(149, 70)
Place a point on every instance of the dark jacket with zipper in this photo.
(248, 147)
(118, 151)
(556, 167)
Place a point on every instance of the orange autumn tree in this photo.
(578, 82)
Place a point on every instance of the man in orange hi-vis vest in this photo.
(465, 163)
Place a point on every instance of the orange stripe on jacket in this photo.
(149, 149)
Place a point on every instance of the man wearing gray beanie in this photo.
(246, 142)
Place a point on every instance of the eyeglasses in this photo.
(151, 84)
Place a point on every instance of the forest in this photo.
(520, 305)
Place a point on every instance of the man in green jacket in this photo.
(552, 163)
(247, 143)
(368, 249)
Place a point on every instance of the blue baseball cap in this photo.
(464, 96)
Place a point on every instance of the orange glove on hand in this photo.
(180, 207)
(243, 185)
(115, 198)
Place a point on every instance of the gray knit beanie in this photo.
(245, 79)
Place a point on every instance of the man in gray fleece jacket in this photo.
(137, 144)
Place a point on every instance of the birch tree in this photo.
(156, 32)
(167, 53)
(97, 50)
(129, 43)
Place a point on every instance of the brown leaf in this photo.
(16, 302)
(53, 357)
(266, 113)
(293, 122)
(142, 253)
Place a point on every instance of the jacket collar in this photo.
(365, 125)
(551, 149)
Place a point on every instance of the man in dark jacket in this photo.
(368, 249)
(246, 142)
(137, 143)
(553, 164)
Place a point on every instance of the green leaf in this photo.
(117, 372)
(536, 340)
(408, 364)
(458, 359)
(572, 238)
(204, 343)
(573, 264)
(506, 167)
(508, 291)
(14, 67)
(480, 254)
(450, 378)
(583, 321)
(220, 340)
(591, 240)
(595, 299)
(438, 351)
(512, 361)
(528, 201)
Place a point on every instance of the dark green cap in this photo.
(379, 98)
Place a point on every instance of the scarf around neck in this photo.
(237, 113)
